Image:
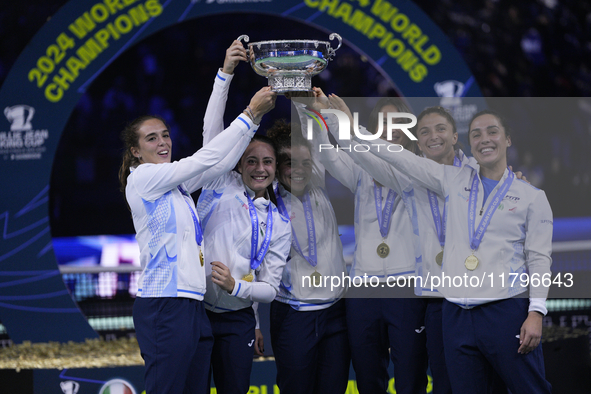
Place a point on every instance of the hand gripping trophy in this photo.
(289, 65)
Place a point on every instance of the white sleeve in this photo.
(213, 126)
(538, 248)
(254, 291)
(276, 257)
(421, 170)
(213, 122)
(151, 181)
(268, 278)
(338, 164)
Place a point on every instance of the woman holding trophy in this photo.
(247, 240)
(169, 316)
(386, 324)
(308, 325)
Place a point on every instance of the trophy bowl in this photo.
(289, 65)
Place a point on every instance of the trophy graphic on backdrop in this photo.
(289, 65)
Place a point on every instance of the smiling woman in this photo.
(437, 135)
(258, 165)
(295, 160)
(154, 143)
(484, 237)
(489, 140)
(168, 313)
(246, 239)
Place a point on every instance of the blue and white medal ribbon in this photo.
(257, 258)
(476, 236)
(198, 231)
(439, 224)
(384, 217)
(310, 228)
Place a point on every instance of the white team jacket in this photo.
(295, 289)
(223, 207)
(401, 259)
(227, 226)
(423, 233)
(163, 222)
(518, 239)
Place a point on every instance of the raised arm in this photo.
(213, 122)
(151, 181)
(261, 103)
(338, 164)
(420, 170)
(378, 169)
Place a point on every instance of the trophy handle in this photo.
(331, 51)
(246, 39)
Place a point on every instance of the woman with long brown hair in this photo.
(169, 317)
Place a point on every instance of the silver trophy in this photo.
(289, 65)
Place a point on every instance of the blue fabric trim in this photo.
(220, 77)
(191, 292)
(238, 291)
(245, 122)
(322, 303)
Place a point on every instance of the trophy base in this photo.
(284, 83)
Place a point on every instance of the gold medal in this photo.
(201, 259)
(439, 258)
(248, 277)
(471, 262)
(383, 250)
(316, 278)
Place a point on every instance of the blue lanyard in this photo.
(385, 216)
(310, 228)
(434, 204)
(257, 258)
(476, 236)
(198, 232)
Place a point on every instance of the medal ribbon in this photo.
(310, 228)
(476, 236)
(257, 258)
(385, 215)
(198, 232)
(434, 203)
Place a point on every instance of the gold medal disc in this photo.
(471, 262)
(248, 277)
(316, 279)
(439, 258)
(201, 259)
(383, 250)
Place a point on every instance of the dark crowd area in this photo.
(514, 49)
